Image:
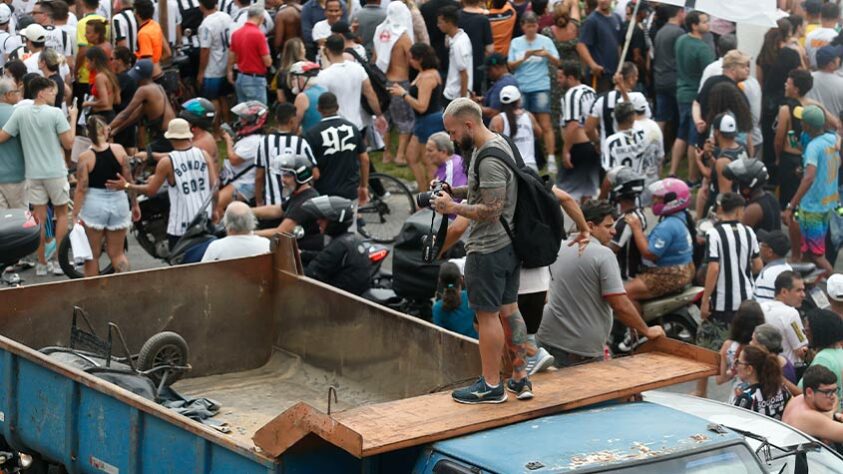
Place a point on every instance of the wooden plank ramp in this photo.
(373, 429)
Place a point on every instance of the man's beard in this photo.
(466, 144)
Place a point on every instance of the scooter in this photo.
(19, 237)
(677, 313)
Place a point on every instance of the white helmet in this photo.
(5, 14)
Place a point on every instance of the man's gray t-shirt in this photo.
(664, 62)
(489, 236)
(827, 90)
(11, 155)
(577, 318)
(369, 17)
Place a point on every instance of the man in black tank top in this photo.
(726, 150)
(788, 172)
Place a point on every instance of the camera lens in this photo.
(423, 199)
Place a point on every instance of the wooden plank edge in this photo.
(533, 414)
(681, 349)
(296, 422)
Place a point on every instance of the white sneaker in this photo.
(539, 362)
(41, 269)
(56, 268)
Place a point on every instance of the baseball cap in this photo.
(776, 240)
(725, 123)
(5, 13)
(827, 54)
(35, 33)
(834, 287)
(813, 116)
(495, 59)
(812, 6)
(142, 70)
(341, 28)
(510, 94)
(639, 103)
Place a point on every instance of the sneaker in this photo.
(56, 268)
(480, 392)
(522, 389)
(41, 269)
(539, 362)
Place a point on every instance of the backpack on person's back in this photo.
(379, 84)
(538, 225)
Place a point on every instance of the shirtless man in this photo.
(391, 54)
(814, 411)
(149, 105)
(287, 23)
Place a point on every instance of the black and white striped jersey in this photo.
(734, 246)
(270, 151)
(124, 26)
(192, 188)
(624, 148)
(576, 104)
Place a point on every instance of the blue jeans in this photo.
(250, 88)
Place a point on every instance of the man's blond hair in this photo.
(734, 58)
(464, 107)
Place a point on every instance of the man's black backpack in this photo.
(378, 80)
(538, 224)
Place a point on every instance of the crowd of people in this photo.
(297, 96)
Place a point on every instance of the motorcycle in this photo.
(677, 313)
(14, 461)
(19, 237)
(815, 297)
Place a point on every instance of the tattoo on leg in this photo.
(121, 266)
(515, 331)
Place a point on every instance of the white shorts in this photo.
(39, 192)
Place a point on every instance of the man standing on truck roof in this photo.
(492, 267)
(585, 289)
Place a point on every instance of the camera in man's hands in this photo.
(424, 199)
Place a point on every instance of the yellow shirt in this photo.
(83, 74)
(808, 29)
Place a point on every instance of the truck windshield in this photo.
(731, 459)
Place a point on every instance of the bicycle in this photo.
(390, 204)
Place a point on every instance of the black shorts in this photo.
(790, 175)
(492, 279)
(531, 306)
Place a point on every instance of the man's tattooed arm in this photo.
(460, 192)
(489, 208)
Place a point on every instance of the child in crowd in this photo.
(451, 310)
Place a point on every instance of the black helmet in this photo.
(625, 183)
(200, 112)
(339, 212)
(748, 173)
(298, 165)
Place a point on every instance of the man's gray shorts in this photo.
(492, 279)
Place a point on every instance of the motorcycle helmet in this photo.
(749, 174)
(200, 112)
(305, 69)
(298, 165)
(625, 183)
(338, 211)
(252, 117)
(675, 196)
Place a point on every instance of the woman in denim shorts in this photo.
(103, 213)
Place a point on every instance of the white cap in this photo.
(639, 103)
(727, 124)
(5, 13)
(510, 94)
(834, 287)
(35, 33)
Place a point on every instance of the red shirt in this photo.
(249, 44)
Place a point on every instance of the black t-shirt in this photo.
(128, 87)
(638, 41)
(312, 239)
(429, 11)
(479, 31)
(336, 144)
(60, 86)
(775, 75)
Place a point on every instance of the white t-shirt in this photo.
(525, 139)
(345, 80)
(104, 9)
(653, 139)
(215, 34)
(247, 149)
(173, 19)
(460, 59)
(816, 40)
(624, 148)
(751, 89)
(789, 324)
(267, 27)
(236, 246)
(59, 40)
(321, 30)
(533, 280)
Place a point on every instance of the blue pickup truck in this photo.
(311, 379)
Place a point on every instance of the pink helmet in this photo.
(252, 117)
(675, 196)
